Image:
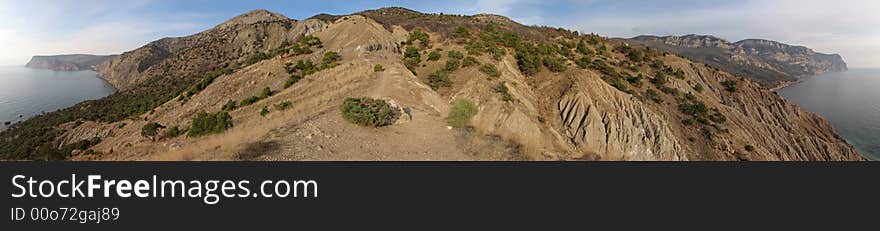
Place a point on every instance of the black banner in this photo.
(447, 195)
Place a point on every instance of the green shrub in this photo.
(679, 74)
(249, 100)
(439, 79)
(652, 95)
(293, 79)
(230, 106)
(529, 63)
(330, 58)
(256, 58)
(750, 148)
(264, 111)
(434, 56)
(469, 62)
(496, 52)
(283, 106)
(452, 65)
(475, 48)
(378, 68)
(411, 58)
(698, 88)
(555, 64)
(461, 113)
(636, 80)
(502, 89)
(366, 111)
(584, 62)
(265, 93)
(172, 132)
(729, 85)
(309, 40)
(455, 55)
(150, 130)
(659, 79)
(461, 32)
(418, 35)
(412, 52)
(210, 123)
(490, 70)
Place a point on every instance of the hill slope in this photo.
(769, 63)
(541, 94)
(75, 62)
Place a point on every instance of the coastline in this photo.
(787, 84)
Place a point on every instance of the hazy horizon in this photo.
(102, 27)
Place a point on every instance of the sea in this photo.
(850, 100)
(26, 92)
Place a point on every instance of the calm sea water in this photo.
(28, 92)
(850, 100)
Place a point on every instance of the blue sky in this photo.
(848, 27)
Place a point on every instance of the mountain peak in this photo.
(254, 16)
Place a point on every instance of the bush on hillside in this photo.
(455, 55)
(366, 111)
(490, 70)
(469, 62)
(210, 123)
(451, 65)
(434, 56)
(249, 100)
(439, 79)
(150, 130)
(461, 113)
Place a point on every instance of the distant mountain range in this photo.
(75, 62)
(769, 63)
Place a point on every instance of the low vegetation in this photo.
(502, 90)
(378, 68)
(283, 106)
(150, 130)
(469, 62)
(210, 123)
(366, 111)
(490, 70)
(439, 79)
(461, 113)
(729, 85)
(434, 56)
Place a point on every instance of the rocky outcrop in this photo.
(767, 62)
(615, 127)
(75, 62)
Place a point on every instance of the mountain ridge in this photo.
(768, 62)
(69, 62)
(540, 93)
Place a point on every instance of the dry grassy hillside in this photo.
(541, 94)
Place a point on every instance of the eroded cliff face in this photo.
(68, 62)
(574, 114)
(767, 62)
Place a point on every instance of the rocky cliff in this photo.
(767, 62)
(541, 94)
(76, 62)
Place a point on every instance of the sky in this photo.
(46, 27)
